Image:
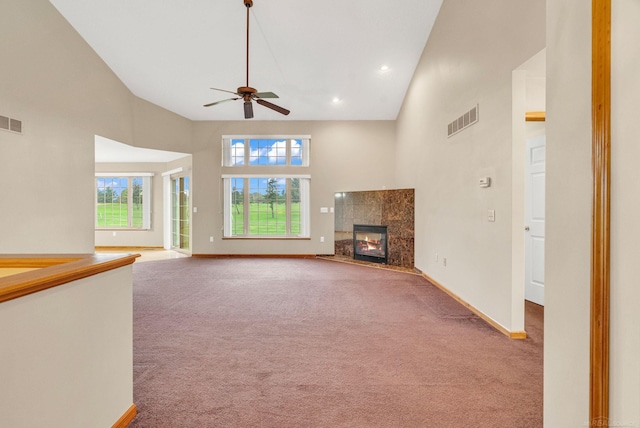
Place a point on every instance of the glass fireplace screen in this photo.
(370, 243)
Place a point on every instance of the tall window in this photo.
(123, 201)
(266, 206)
(261, 204)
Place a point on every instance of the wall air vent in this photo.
(464, 121)
(15, 125)
(9, 124)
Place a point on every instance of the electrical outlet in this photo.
(211, 239)
(444, 261)
(322, 239)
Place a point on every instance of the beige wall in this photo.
(157, 128)
(625, 206)
(137, 238)
(468, 60)
(569, 215)
(340, 152)
(66, 357)
(64, 94)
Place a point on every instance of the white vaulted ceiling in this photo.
(171, 52)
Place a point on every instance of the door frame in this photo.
(167, 208)
(519, 117)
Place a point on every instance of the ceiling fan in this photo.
(248, 93)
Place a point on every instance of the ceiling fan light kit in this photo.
(248, 110)
(247, 93)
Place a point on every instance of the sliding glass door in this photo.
(180, 212)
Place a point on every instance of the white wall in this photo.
(468, 60)
(67, 354)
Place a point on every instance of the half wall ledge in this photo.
(37, 272)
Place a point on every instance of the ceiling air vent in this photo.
(464, 121)
(9, 124)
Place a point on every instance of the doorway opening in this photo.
(528, 96)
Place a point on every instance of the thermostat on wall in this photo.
(485, 182)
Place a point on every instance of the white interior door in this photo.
(534, 219)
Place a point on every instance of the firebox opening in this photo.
(370, 243)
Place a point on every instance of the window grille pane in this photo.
(267, 152)
(267, 212)
(295, 206)
(184, 211)
(111, 211)
(136, 202)
(278, 152)
(297, 157)
(237, 152)
(237, 206)
(175, 215)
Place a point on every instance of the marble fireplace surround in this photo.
(391, 208)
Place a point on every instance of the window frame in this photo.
(146, 199)
(227, 153)
(304, 225)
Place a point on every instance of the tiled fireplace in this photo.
(393, 209)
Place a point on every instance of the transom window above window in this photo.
(265, 151)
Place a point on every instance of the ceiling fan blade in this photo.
(248, 110)
(248, 93)
(273, 106)
(224, 90)
(266, 95)
(221, 101)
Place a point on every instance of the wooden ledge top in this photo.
(535, 116)
(53, 270)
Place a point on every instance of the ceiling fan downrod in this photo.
(248, 4)
(247, 93)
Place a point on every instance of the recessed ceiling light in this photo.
(336, 100)
(384, 67)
